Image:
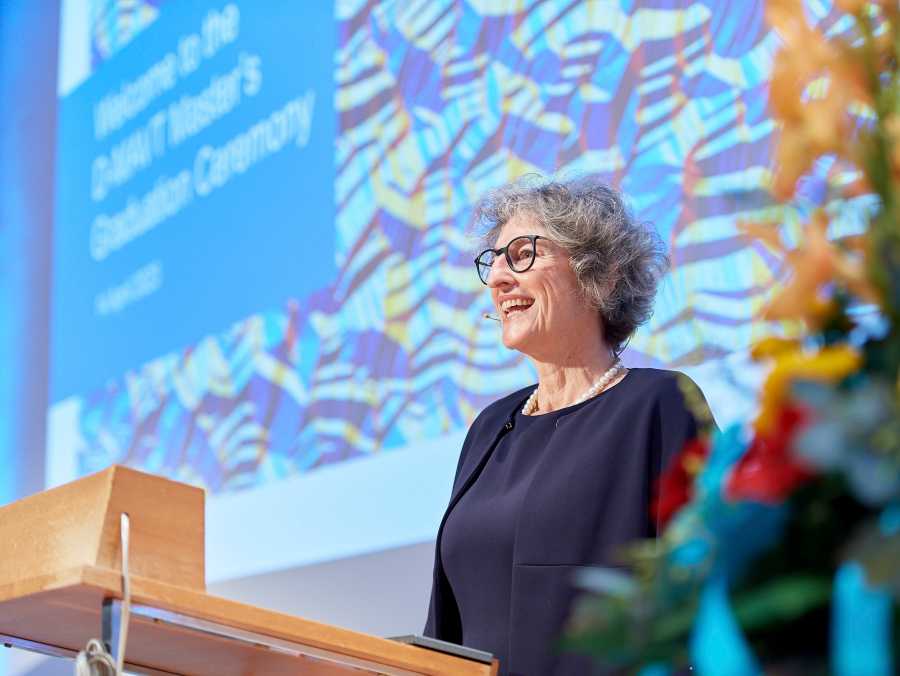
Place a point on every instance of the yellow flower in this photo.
(828, 365)
(772, 346)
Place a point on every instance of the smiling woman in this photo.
(559, 475)
(617, 260)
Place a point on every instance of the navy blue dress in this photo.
(538, 497)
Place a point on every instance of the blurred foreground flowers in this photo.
(780, 542)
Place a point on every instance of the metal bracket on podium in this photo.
(111, 612)
(36, 647)
(112, 609)
(110, 622)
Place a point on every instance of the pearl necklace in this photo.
(531, 405)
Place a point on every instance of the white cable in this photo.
(94, 660)
(126, 596)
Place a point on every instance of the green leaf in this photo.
(781, 600)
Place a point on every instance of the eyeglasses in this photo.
(520, 254)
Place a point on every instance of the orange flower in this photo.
(848, 70)
(786, 17)
(785, 87)
(827, 125)
(892, 130)
(889, 7)
(765, 232)
(818, 262)
(793, 158)
(857, 188)
(817, 87)
(850, 6)
(821, 126)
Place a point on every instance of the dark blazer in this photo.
(591, 495)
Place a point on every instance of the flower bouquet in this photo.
(780, 546)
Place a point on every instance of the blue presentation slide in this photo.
(195, 184)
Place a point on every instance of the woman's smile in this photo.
(512, 306)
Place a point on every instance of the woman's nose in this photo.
(500, 274)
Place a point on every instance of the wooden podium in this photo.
(60, 572)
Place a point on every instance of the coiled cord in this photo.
(94, 661)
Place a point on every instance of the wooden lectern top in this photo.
(61, 560)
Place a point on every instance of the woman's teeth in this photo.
(507, 307)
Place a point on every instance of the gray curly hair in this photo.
(618, 261)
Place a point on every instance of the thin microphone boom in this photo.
(488, 315)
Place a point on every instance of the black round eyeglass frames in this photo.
(520, 255)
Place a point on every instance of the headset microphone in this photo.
(488, 315)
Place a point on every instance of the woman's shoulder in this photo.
(659, 381)
(670, 393)
(653, 389)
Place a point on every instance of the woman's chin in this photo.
(515, 339)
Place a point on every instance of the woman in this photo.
(558, 476)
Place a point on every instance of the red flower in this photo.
(675, 486)
(768, 472)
